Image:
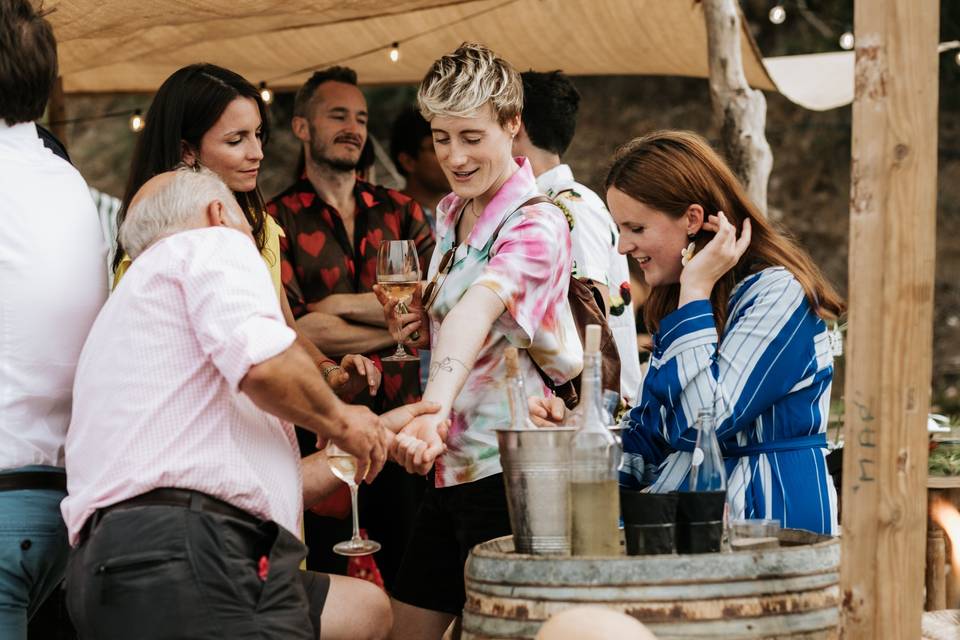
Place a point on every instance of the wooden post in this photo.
(936, 579)
(57, 111)
(891, 266)
(742, 111)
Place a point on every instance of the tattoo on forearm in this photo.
(445, 366)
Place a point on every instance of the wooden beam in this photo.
(891, 266)
(741, 111)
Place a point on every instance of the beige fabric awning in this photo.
(130, 45)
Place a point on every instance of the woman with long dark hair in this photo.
(205, 115)
(738, 311)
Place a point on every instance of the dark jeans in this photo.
(33, 554)
(168, 572)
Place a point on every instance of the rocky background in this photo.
(809, 187)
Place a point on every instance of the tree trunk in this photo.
(742, 111)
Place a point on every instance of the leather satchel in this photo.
(586, 303)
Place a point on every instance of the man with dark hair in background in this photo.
(54, 281)
(412, 152)
(334, 224)
(549, 120)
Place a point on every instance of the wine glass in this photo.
(398, 274)
(344, 466)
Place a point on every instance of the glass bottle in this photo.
(517, 392)
(707, 472)
(594, 462)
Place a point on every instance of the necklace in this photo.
(473, 209)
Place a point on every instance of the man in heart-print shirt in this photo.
(333, 224)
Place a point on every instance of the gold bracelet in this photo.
(328, 370)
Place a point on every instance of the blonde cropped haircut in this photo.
(461, 83)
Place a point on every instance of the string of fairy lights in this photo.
(778, 14)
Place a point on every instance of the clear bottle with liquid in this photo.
(517, 392)
(594, 463)
(707, 472)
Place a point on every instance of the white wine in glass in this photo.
(398, 273)
(344, 466)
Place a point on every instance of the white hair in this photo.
(174, 206)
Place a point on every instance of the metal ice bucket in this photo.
(536, 472)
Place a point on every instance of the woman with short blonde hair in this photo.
(499, 278)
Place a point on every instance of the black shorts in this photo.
(449, 523)
(162, 571)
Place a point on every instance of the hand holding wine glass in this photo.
(344, 466)
(398, 274)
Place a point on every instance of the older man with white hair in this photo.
(184, 476)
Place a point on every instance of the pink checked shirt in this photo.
(156, 398)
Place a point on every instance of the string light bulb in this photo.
(778, 14)
(956, 58)
(846, 41)
(395, 52)
(137, 122)
(266, 94)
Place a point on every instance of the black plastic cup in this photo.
(700, 521)
(649, 522)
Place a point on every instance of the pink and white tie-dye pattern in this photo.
(528, 267)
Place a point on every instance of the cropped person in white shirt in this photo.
(53, 282)
(550, 104)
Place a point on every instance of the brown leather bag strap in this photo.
(538, 199)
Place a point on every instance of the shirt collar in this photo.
(21, 135)
(518, 188)
(555, 180)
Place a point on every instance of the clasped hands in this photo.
(412, 435)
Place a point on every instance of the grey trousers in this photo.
(167, 572)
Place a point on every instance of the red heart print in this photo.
(392, 220)
(306, 199)
(330, 277)
(312, 243)
(374, 238)
(391, 384)
(291, 202)
(368, 199)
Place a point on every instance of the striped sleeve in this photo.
(764, 353)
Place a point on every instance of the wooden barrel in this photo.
(790, 592)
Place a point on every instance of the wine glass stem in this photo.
(356, 513)
(400, 350)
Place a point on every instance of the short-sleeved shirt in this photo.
(157, 400)
(318, 259)
(595, 257)
(528, 266)
(270, 254)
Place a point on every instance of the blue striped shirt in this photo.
(769, 384)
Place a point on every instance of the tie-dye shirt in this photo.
(528, 266)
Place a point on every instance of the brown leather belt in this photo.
(23, 480)
(170, 497)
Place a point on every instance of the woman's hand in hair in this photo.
(715, 259)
